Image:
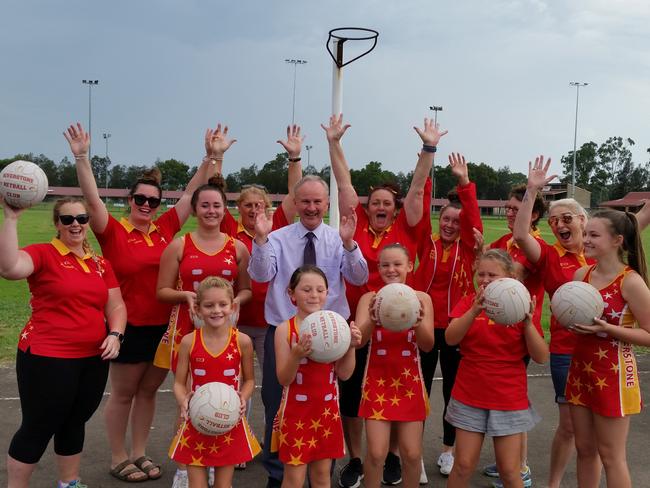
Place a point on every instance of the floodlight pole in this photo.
(90, 84)
(577, 84)
(308, 148)
(295, 63)
(436, 109)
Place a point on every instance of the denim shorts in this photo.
(559, 371)
(495, 423)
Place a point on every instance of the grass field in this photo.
(36, 225)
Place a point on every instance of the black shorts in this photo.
(350, 390)
(140, 343)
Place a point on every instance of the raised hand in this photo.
(78, 139)
(537, 172)
(347, 227)
(459, 168)
(217, 141)
(479, 241)
(263, 226)
(9, 211)
(431, 133)
(293, 144)
(336, 129)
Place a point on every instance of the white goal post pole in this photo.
(337, 109)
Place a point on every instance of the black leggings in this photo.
(449, 361)
(57, 396)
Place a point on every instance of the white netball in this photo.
(214, 408)
(23, 184)
(397, 307)
(330, 335)
(506, 301)
(576, 302)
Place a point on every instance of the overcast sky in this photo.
(169, 69)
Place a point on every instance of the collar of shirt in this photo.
(130, 227)
(378, 236)
(302, 230)
(64, 250)
(561, 251)
(241, 228)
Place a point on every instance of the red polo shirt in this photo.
(68, 296)
(135, 256)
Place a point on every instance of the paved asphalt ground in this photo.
(96, 456)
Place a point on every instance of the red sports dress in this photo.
(393, 389)
(603, 375)
(252, 313)
(308, 424)
(237, 446)
(195, 265)
(492, 373)
(558, 267)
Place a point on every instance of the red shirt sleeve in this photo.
(168, 223)
(228, 224)
(461, 307)
(470, 216)
(279, 218)
(109, 275)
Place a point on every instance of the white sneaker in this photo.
(423, 474)
(180, 479)
(446, 463)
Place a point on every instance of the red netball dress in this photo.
(195, 265)
(392, 386)
(237, 446)
(308, 424)
(603, 375)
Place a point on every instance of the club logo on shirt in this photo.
(66, 263)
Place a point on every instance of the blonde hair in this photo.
(570, 203)
(214, 282)
(500, 256)
(256, 192)
(56, 212)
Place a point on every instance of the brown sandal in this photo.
(141, 463)
(124, 473)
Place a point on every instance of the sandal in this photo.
(141, 463)
(125, 470)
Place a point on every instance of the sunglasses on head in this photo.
(68, 219)
(387, 188)
(140, 199)
(566, 218)
(253, 185)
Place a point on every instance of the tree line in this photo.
(607, 170)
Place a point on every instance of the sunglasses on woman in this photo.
(566, 219)
(68, 219)
(140, 199)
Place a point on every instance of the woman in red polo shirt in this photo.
(76, 325)
(557, 263)
(134, 245)
(445, 273)
(379, 223)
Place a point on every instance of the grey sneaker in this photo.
(446, 463)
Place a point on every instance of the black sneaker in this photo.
(351, 474)
(392, 470)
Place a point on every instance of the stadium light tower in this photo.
(90, 84)
(308, 148)
(436, 109)
(577, 84)
(295, 63)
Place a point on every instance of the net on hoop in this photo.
(343, 34)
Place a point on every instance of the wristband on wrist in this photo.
(429, 149)
(119, 335)
(212, 158)
(80, 156)
(295, 160)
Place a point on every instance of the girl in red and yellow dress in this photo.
(188, 260)
(603, 384)
(393, 392)
(307, 428)
(492, 355)
(215, 352)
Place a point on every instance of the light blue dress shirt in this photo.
(278, 258)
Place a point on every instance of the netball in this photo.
(576, 302)
(330, 335)
(397, 307)
(214, 408)
(23, 184)
(506, 301)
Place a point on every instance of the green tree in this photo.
(175, 174)
(99, 165)
(586, 165)
(118, 177)
(67, 173)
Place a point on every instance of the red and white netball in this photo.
(330, 335)
(214, 408)
(576, 302)
(506, 301)
(397, 306)
(23, 184)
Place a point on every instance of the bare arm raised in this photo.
(348, 197)
(293, 146)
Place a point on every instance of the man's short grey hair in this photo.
(307, 179)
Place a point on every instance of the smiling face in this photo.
(72, 235)
(248, 208)
(311, 203)
(143, 213)
(310, 294)
(394, 265)
(598, 239)
(209, 209)
(449, 224)
(215, 307)
(381, 209)
(567, 227)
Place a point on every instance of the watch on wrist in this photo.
(119, 335)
